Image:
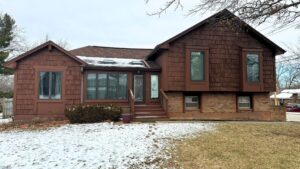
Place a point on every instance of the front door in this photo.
(138, 88)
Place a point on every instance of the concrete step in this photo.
(150, 113)
(154, 108)
(147, 106)
(150, 118)
(149, 110)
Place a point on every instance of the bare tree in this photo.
(292, 77)
(280, 73)
(61, 42)
(18, 45)
(288, 68)
(6, 83)
(282, 12)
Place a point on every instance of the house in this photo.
(219, 69)
(288, 96)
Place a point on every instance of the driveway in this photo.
(292, 116)
(101, 145)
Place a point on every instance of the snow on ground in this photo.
(4, 120)
(101, 145)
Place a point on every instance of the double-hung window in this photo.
(111, 86)
(50, 85)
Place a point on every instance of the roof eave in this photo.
(91, 67)
(13, 62)
(278, 49)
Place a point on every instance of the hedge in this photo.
(93, 113)
(6, 94)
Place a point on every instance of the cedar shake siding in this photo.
(225, 51)
(27, 104)
(200, 74)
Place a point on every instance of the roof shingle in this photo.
(112, 52)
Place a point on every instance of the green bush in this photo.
(6, 94)
(93, 113)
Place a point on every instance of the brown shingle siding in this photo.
(26, 87)
(224, 58)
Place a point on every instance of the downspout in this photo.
(81, 88)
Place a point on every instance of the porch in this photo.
(148, 112)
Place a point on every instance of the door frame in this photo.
(144, 88)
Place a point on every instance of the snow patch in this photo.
(102, 145)
(112, 62)
(2, 121)
(282, 96)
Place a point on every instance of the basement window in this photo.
(191, 102)
(244, 102)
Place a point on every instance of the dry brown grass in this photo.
(242, 146)
(32, 125)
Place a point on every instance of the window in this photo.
(197, 66)
(107, 86)
(102, 81)
(192, 102)
(154, 86)
(91, 86)
(244, 102)
(50, 85)
(252, 67)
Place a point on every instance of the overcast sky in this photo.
(116, 23)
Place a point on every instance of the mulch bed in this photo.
(32, 125)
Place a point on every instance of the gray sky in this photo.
(109, 22)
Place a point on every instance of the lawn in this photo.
(240, 145)
(98, 145)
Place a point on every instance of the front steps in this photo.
(149, 113)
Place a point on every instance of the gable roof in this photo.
(224, 12)
(111, 52)
(48, 44)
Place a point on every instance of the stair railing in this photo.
(164, 100)
(131, 101)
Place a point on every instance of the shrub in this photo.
(92, 113)
(6, 94)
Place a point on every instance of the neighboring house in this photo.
(288, 96)
(211, 71)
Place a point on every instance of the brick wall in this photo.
(223, 106)
(218, 102)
